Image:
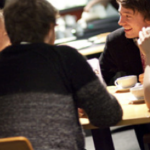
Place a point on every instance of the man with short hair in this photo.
(43, 85)
(121, 55)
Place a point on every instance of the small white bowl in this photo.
(138, 91)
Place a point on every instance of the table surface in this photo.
(97, 48)
(94, 48)
(132, 113)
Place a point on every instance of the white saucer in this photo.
(118, 88)
(133, 98)
(121, 89)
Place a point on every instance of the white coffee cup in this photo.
(138, 91)
(126, 81)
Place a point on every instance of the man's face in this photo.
(132, 22)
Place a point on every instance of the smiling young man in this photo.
(121, 55)
(132, 21)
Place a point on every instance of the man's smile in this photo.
(127, 30)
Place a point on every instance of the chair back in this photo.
(15, 143)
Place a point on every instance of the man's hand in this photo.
(141, 78)
(82, 113)
(144, 40)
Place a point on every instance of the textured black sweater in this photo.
(41, 87)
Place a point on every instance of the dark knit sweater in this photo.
(41, 87)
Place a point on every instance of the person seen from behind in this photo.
(43, 85)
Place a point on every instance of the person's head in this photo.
(134, 14)
(4, 39)
(30, 21)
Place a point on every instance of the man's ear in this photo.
(50, 38)
(50, 31)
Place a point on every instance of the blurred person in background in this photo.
(102, 2)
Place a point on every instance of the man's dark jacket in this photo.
(121, 57)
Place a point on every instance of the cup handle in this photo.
(116, 83)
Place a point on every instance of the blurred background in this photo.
(74, 21)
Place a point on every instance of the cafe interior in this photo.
(87, 32)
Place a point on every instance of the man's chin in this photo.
(129, 36)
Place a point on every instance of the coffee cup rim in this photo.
(126, 77)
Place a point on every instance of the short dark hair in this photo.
(28, 20)
(142, 6)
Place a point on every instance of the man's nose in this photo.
(121, 21)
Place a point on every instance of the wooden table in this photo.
(95, 48)
(98, 48)
(133, 114)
